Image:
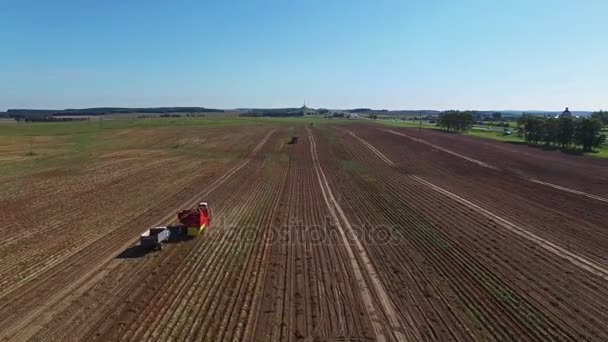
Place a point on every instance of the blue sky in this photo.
(466, 54)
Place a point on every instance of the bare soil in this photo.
(352, 233)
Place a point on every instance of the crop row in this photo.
(48, 287)
(469, 254)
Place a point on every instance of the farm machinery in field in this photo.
(192, 222)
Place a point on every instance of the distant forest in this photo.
(283, 112)
(107, 110)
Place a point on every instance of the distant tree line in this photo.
(273, 113)
(564, 132)
(107, 110)
(601, 116)
(44, 118)
(361, 110)
(456, 121)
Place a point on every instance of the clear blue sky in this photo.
(465, 54)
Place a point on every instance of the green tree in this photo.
(533, 127)
(567, 128)
(551, 131)
(601, 116)
(456, 120)
(588, 134)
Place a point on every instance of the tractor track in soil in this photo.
(359, 260)
(28, 307)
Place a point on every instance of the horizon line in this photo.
(351, 108)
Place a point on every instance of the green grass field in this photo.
(602, 152)
(494, 135)
(403, 123)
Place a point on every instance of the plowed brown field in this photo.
(356, 232)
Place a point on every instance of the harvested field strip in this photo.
(389, 258)
(16, 310)
(73, 268)
(139, 145)
(257, 225)
(94, 189)
(480, 163)
(151, 283)
(309, 287)
(531, 278)
(523, 176)
(396, 330)
(111, 305)
(574, 171)
(74, 271)
(576, 259)
(34, 246)
(94, 305)
(203, 265)
(565, 285)
(433, 238)
(557, 216)
(569, 220)
(408, 299)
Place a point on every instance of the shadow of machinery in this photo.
(138, 251)
(133, 252)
